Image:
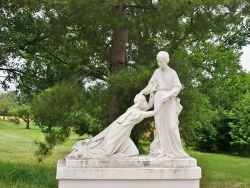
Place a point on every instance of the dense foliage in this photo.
(23, 112)
(82, 62)
(7, 102)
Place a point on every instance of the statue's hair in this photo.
(138, 98)
(163, 56)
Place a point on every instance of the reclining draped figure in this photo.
(115, 139)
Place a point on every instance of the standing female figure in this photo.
(167, 140)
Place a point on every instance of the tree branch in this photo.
(10, 70)
(140, 7)
(83, 76)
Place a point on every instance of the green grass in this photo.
(19, 167)
(223, 171)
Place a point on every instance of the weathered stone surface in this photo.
(130, 162)
(133, 172)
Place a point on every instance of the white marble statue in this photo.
(167, 140)
(115, 139)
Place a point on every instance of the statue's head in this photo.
(140, 101)
(162, 59)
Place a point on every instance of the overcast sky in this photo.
(245, 58)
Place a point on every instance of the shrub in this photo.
(240, 126)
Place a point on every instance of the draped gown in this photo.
(114, 140)
(167, 140)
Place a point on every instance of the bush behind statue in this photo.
(63, 108)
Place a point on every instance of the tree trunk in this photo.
(118, 53)
(119, 40)
(27, 124)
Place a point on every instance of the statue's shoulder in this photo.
(172, 71)
(157, 70)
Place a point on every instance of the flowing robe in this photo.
(114, 140)
(167, 140)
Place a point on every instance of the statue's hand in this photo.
(154, 89)
(166, 97)
(141, 93)
(164, 100)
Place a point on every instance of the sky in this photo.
(244, 60)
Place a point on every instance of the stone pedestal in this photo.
(131, 172)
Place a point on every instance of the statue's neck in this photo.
(165, 68)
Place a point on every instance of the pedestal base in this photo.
(133, 172)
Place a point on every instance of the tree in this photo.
(239, 120)
(52, 112)
(240, 128)
(92, 41)
(23, 112)
(7, 101)
(71, 41)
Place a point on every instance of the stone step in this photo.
(130, 162)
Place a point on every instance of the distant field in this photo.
(19, 167)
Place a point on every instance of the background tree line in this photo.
(78, 64)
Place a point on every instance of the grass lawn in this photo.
(223, 171)
(19, 167)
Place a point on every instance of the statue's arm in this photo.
(150, 85)
(152, 113)
(147, 89)
(176, 85)
(175, 90)
(152, 96)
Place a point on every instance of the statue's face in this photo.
(143, 103)
(162, 63)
